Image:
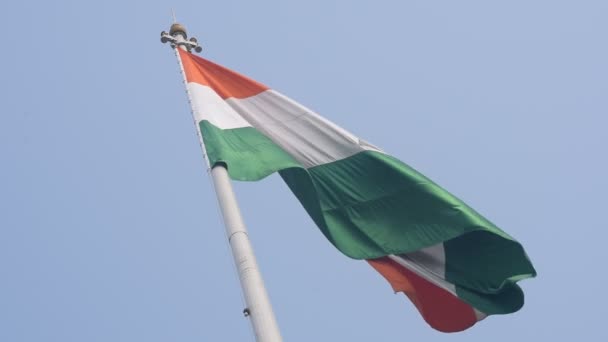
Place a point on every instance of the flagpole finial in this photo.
(177, 36)
(178, 28)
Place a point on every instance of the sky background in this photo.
(109, 229)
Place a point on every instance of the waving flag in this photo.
(453, 264)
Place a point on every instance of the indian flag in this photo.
(454, 265)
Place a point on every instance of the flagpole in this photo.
(259, 309)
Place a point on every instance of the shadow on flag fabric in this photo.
(453, 264)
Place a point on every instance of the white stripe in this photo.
(431, 258)
(479, 315)
(311, 139)
(208, 105)
(433, 271)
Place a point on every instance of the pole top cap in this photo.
(177, 28)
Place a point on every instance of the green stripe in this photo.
(481, 259)
(374, 205)
(370, 205)
(509, 300)
(485, 268)
(248, 154)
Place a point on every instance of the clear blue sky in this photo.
(109, 229)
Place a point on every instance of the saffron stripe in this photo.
(439, 308)
(225, 82)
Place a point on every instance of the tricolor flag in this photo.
(454, 265)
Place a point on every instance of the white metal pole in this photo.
(259, 309)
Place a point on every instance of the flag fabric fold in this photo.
(454, 265)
